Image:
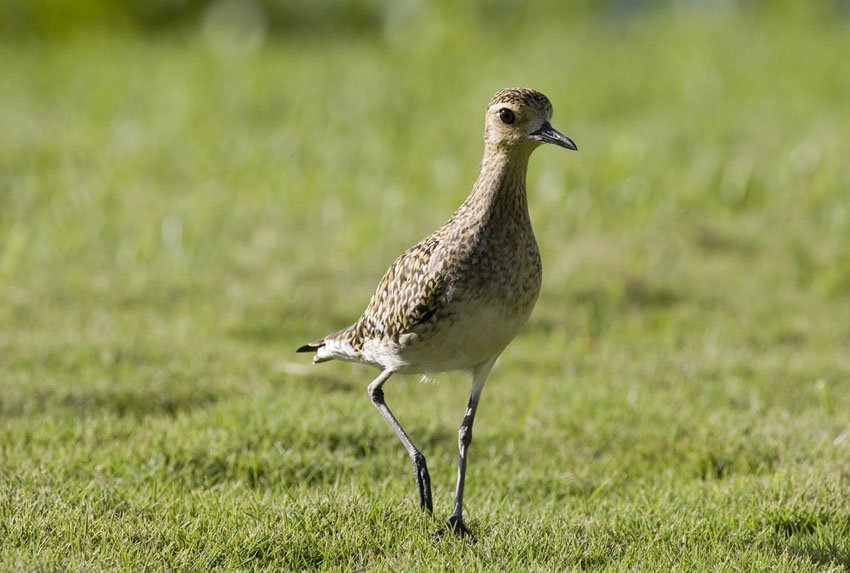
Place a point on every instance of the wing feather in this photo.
(411, 292)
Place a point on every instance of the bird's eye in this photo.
(506, 115)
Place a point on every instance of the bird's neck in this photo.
(498, 195)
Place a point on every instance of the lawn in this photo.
(176, 219)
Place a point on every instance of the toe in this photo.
(457, 527)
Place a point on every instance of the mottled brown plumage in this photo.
(458, 297)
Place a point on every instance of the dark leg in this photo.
(420, 468)
(464, 438)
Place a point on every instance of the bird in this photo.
(455, 300)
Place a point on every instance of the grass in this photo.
(174, 222)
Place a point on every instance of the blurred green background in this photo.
(190, 190)
(48, 19)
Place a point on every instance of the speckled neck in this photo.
(498, 195)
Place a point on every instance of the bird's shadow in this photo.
(799, 536)
(828, 555)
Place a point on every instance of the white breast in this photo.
(480, 332)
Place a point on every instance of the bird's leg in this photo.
(464, 438)
(420, 468)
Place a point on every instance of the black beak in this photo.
(548, 134)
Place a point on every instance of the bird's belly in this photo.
(463, 339)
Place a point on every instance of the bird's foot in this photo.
(423, 483)
(458, 528)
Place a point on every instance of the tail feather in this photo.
(312, 346)
(315, 346)
(330, 347)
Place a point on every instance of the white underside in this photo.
(481, 334)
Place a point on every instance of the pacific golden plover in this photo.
(455, 300)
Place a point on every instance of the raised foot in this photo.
(458, 528)
(423, 483)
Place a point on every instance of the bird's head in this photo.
(518, 119)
